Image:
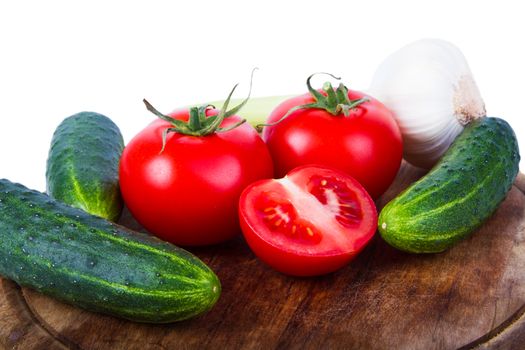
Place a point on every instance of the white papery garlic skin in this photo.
(430, 90)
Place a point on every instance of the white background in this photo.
(58, 58)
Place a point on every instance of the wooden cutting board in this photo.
(470, 296)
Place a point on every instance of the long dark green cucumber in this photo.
(458, 194)
(83, 161)
(95, 264)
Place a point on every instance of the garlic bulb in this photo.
(430, 90)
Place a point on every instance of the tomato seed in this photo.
(309, 231)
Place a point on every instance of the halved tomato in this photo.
(311, 222)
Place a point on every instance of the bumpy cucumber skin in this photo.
(95, 264)
(458, 194)
(83, 161)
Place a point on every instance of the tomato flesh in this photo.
(282, 218)
(312, 221)
(338, 197)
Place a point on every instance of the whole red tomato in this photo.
(366, 143)
(188, 193)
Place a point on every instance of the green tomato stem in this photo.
(198, 124)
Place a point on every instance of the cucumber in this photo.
(95, 264)
(82, 166)
(458, 194)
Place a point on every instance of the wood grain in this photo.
(470, 296)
